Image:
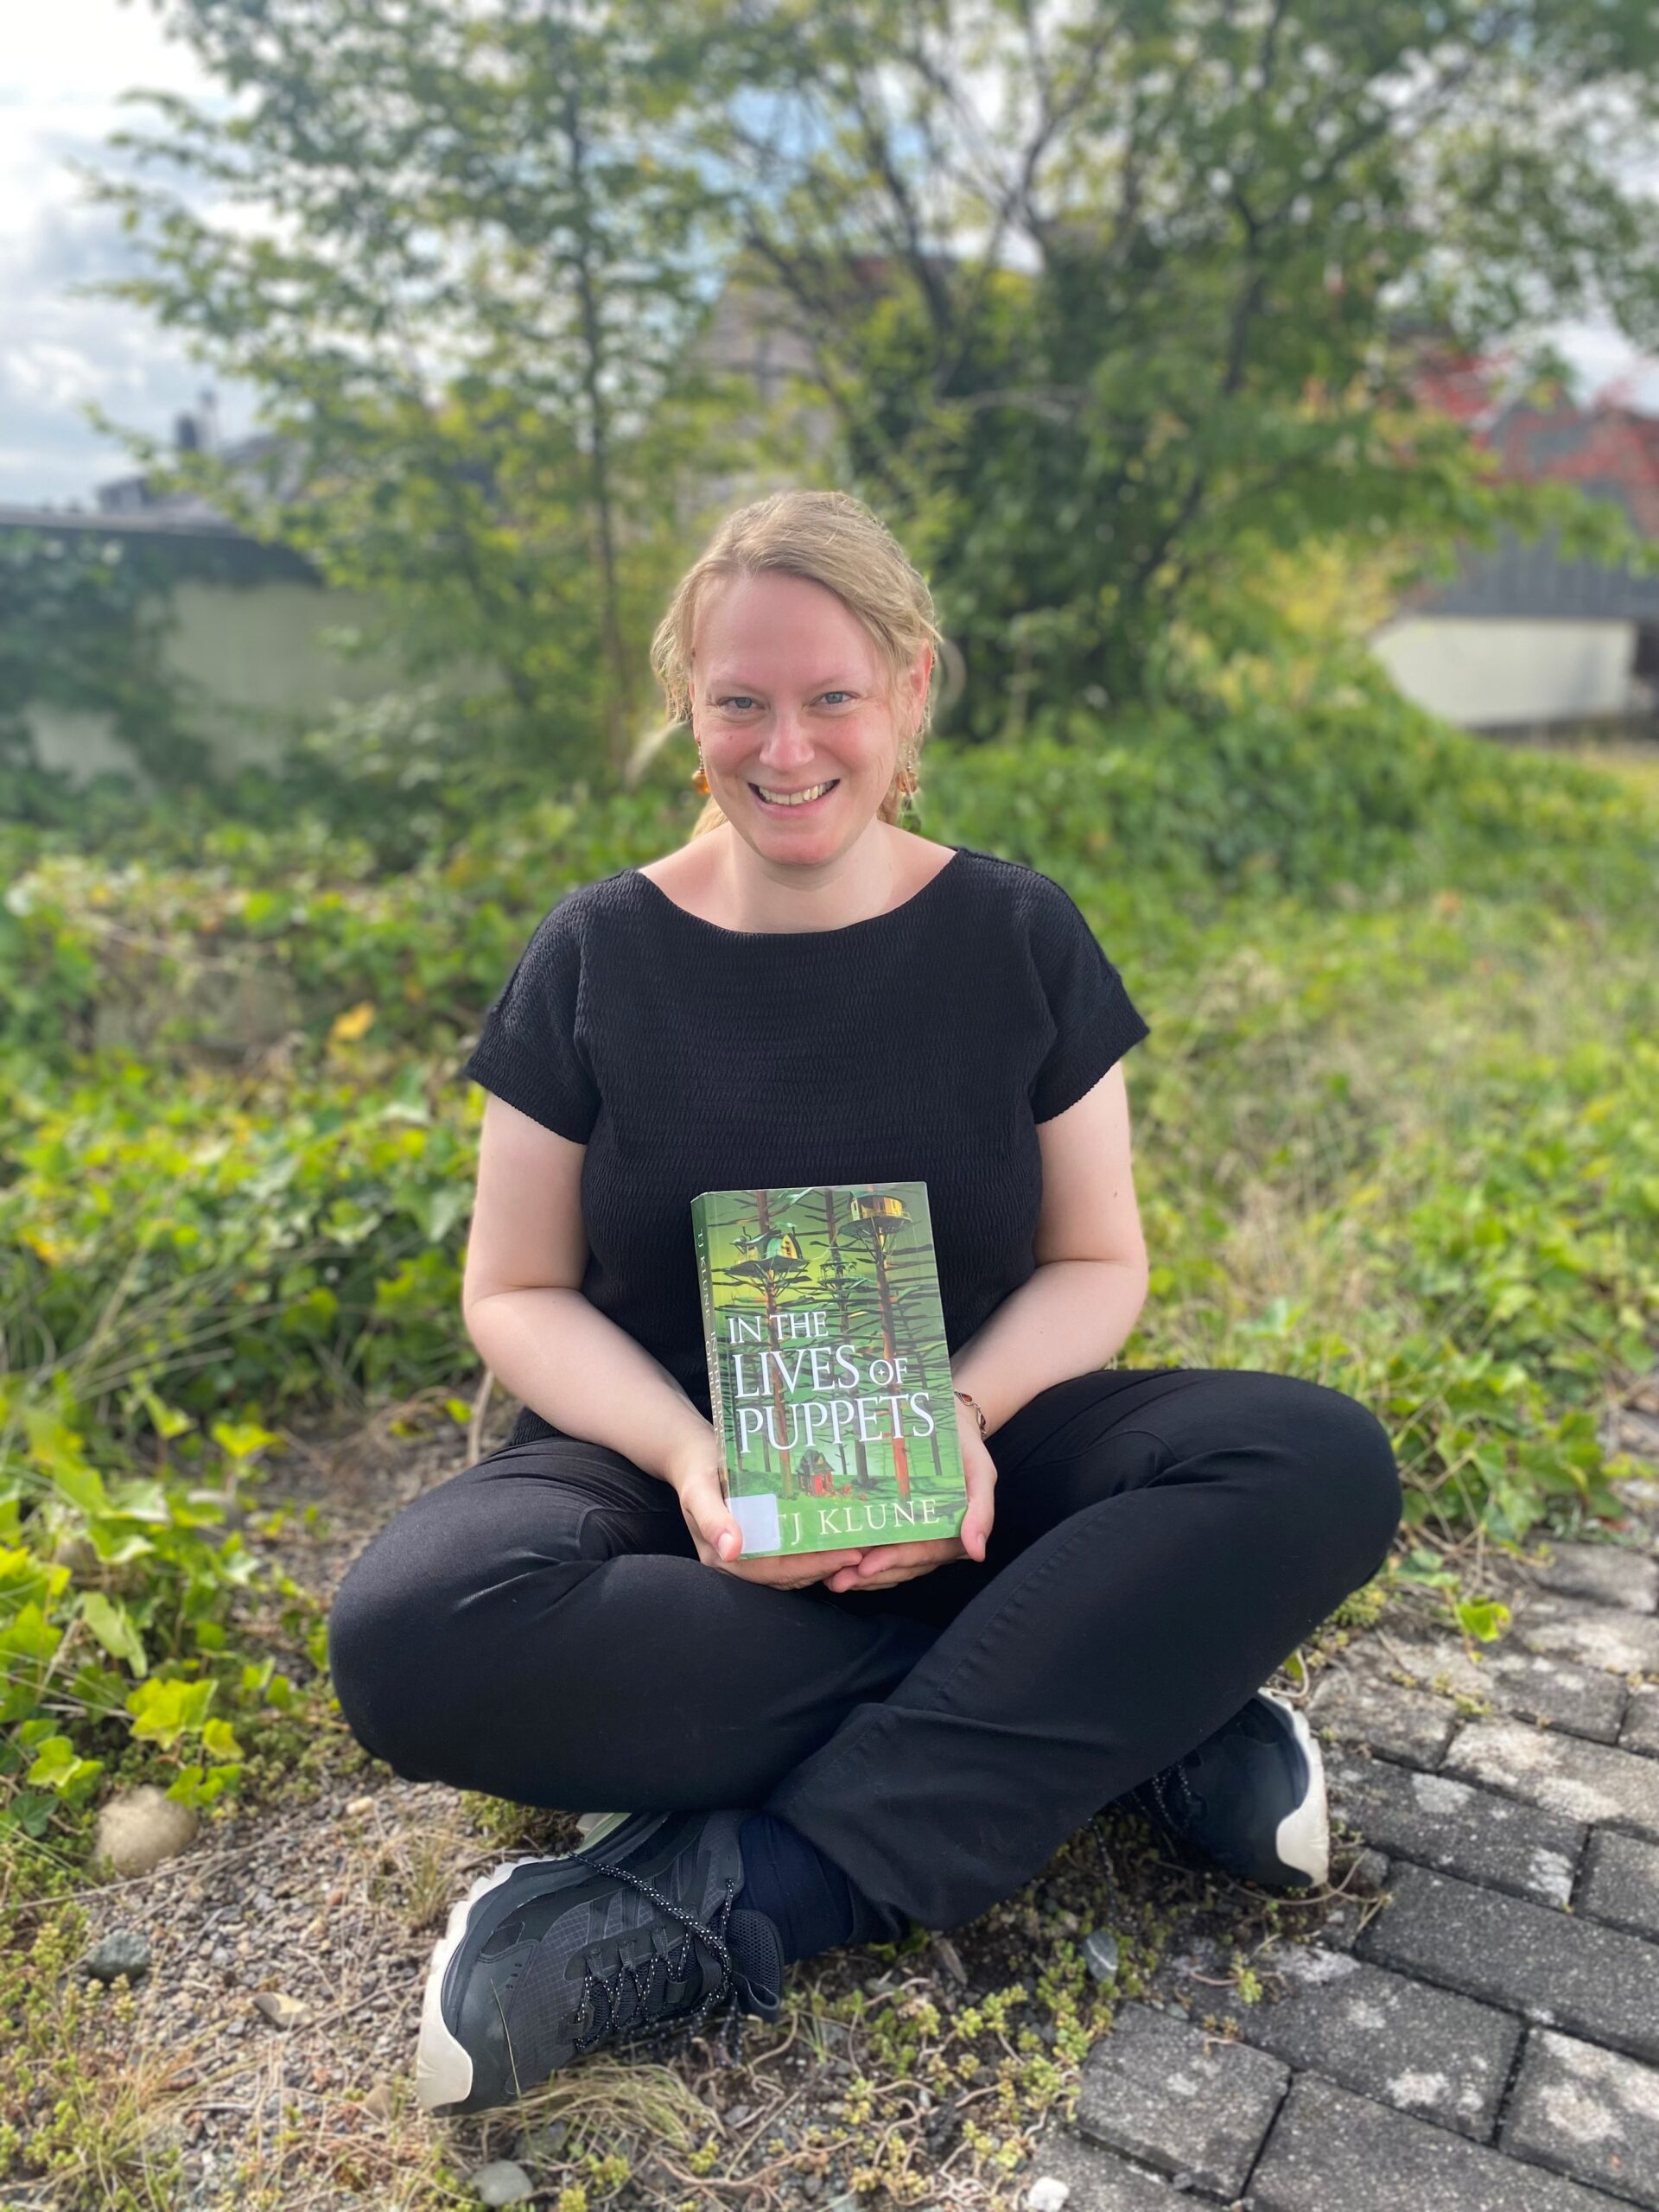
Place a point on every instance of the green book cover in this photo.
(829, 1379)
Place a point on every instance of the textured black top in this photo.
(922, 1045)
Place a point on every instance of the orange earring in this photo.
(699, 777)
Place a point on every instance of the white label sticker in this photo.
(758, 1518)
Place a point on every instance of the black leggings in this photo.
(540, 1628)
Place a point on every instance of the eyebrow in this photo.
(823, 683)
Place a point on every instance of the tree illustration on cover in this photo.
(833, 1370)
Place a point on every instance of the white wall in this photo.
(1484, 672)
(259, 655)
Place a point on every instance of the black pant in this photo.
(540, 1628)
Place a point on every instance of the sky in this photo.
(63, 67)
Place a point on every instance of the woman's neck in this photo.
(721, 880)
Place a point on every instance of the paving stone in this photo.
(1160, 2089)
(1445, 1823)
(1096, 2180)
(1639, 1493)
(1598, 1636)
(1332, 2152)
(1609, 1574)
(1587, 2112)
(1556, 1967)
(1586, 1700)
(1407, 1725)
(1442, 2056)
(1620, 1882)
(1640, 1729)
(1587, 1782)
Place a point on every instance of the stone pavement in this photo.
(1481, 2032)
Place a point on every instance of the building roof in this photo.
(1610, 452)
(194, 544)
(152, 522)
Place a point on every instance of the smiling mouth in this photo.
(805, 797)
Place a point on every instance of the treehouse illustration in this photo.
(882, 1211)
(774, 1253)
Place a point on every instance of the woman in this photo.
(821, 1750)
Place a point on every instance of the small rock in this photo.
(950, 1958)
(1338, 1930)
(546, 2142)
(264, 1901)
(1100, 1953)
(1047, 2195)
(367, 1805)
(139, 1828)
(1370, 1877)
(811, 2185)
(378, 2101)
(123, 1950)
(740, 2115)
(1184, 2182)
(283, 2011)
(502, 2183)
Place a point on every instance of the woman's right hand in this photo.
(696, 1481)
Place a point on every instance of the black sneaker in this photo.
(630, 1937)
(1251, 1798)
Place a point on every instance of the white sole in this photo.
(1303, 1837)
(443, 2066)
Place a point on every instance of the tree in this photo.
(453, 250)
(1109, 295)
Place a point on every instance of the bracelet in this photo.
(979, 1410)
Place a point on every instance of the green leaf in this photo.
(219, 1740)
(164, 1710)
(115, 1629)
(1484, 1619)
(59, 1767)
(241, 1439)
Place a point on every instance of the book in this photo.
(830, 1380)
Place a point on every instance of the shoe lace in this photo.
(644, 2020)
(1153, 1797)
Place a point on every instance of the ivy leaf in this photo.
(114, 1628)
(1484, 1619)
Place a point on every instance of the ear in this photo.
(920, 669)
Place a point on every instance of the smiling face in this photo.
(789, 694)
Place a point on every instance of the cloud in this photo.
(65, 71)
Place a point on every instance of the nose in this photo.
(786, 743)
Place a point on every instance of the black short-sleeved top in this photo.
(921, 1045)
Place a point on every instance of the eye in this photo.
(740, 701)
(837, 695)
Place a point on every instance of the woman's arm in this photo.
(1076, 1310)
(522, 1301)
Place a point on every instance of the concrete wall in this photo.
(258, 652)
(1486, 673)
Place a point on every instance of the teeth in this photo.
(793, 798)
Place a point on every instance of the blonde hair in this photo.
(830, 538)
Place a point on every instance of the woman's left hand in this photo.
(883, 1565)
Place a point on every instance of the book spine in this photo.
(711, 1350)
